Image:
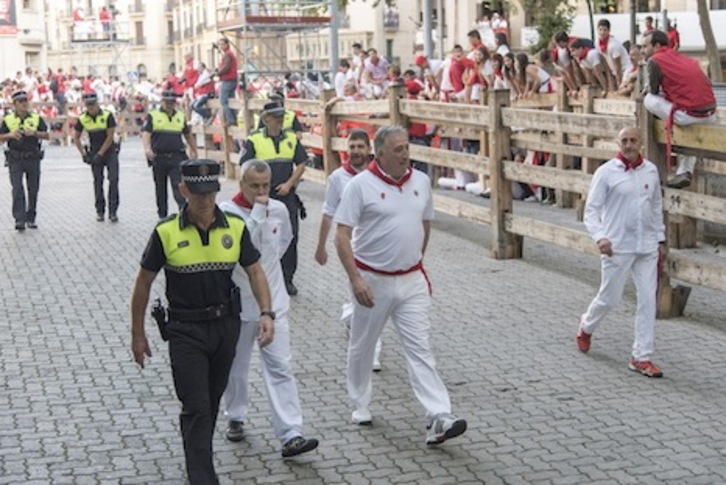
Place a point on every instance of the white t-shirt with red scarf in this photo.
(337, 182)
(612, 49)
(387, 217)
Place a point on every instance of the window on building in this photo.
(718, 4)
(139, 30)
(141, 69)
(32, 59)
(389, 48)
(112, 72)
(28, 4)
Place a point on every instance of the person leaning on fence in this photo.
(268, 223)
(199, 249)
(286, 156)
(687, 96)
(624, 216)
(23, 129)
(390, 208)
(163, 134)
(100, 153)
(227, 72)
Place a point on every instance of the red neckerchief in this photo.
(628, 164)
(603, 44)
(241, 201)
(583, 53)
(349, 168)
(376, 170)
(498, 73)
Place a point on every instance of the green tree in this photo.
(550, 17)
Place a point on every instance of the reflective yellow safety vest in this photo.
(162, 123)
(13, 121)
(265, 147)
(186, 253)
(99, 123)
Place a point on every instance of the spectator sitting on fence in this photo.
(687, 97)
(375, 75)
(342, 77)
(458, 66)
(615, 55)
(510, 75)
(394, 78)
(562, 60)
(502, 44)
(498, 80)
(592, 69)
(475, 77)
(630, 78)
(203, 91)
(476, 44)
(431, 71)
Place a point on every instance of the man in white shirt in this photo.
(624, 215)
(359, 153)
(342, 77)
(589, 62)
(268, 223)
(384, 222)
(614, 53)
(375, 73)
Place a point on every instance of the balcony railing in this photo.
(391, 20)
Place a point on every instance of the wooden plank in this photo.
(446, 113)
(312, 141)
(692, 204)
(360, 107)
(235, 132)
(538, 100)
(462, 209)
(571, 180)
(258, 104)
(618, 107)
(551, 233)
(217, 155)
(447, 158)
(340, 144)
(702, 273)
(591, 125)
(310, 120)
(703, 137)
(304, 105)
(365, 119)
(711, 166)
(453, 130)
(520, 140)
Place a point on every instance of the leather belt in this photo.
(214, 312)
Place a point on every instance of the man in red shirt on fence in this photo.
(687, 96)
(227, 72)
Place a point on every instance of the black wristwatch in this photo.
(269, 313)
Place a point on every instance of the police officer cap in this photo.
(169, 95)
(90, 98)
(276, 96)
(20, 96)
(201, 176)
(273, 109)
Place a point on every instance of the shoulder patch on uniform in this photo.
(227, 241)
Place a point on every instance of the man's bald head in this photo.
(629, 132)
(629, 142)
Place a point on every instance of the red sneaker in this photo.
(583, 340)
(645, 367)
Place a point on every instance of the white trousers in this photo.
(346, 317)
(406, 300)
(281, 387)
(661, 108)
(615, 270)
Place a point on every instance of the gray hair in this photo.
(382, 135)
(254, 165)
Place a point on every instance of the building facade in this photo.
(22, 36)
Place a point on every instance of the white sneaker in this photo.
(376, 365)
(444, 427)
(361, 417)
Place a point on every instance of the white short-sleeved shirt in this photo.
(271, 233)
(563, 56)
(337, 182)
(615, 50)
(591, 59)
(387, 221)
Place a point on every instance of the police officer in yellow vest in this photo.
(289, 121)
(164, 148)
(286, 157)
(101, 153)
(198, 249)
(23, 130)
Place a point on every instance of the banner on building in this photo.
(8, 20)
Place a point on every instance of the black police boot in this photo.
(291, 288)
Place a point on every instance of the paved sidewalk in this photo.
(75, 409)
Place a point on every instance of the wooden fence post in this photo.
(484, 143)
(564, 162)
(331, 161)
(670, 301)
(587, 164)
(394, 94)
(505, 245)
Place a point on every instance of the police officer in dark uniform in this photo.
(23, 130)
(164, 147)
(286, 157)
(101, 153)
(198, 249)
(289, 122)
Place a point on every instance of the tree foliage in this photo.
(550, 17)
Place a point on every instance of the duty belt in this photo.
(214, 312)
(22, 154)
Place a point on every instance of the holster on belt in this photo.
(301, 207)
(159, 313)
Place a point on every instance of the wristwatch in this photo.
(269, 313)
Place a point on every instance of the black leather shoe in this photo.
(99, 217)
(32, 225)
(235, 431)
(20, 226)
(291, 288)
(113, 217)
(298, 446)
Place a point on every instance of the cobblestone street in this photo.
(75, 409)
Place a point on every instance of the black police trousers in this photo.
(28, 166)
(201, 355)
(168, 166)
(110, 164)
(289, 259)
